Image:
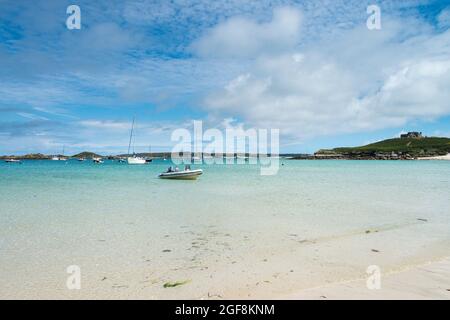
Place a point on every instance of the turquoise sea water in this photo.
(231, 233)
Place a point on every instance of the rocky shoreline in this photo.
(364, 156)
(368, 156)
(411, 146)
(34, 156)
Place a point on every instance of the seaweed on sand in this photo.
(175, 284)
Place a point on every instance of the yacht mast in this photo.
(131, 137)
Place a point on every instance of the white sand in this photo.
(446, 157)
(429, 281)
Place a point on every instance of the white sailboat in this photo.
(60, 158)
(134, 159)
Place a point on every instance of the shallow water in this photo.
(231, 234)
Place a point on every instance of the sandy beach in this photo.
(446, 157)
(428, 281)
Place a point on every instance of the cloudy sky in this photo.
(310, 68)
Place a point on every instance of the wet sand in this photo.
(428, 281)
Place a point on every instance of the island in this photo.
(409, 146)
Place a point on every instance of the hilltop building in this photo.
(414, 134)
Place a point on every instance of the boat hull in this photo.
(136, 161)
(13, 161)
(182, 175)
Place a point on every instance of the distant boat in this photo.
(134, 159)
(97, 160)
(149, 158)
(13, 161)
(81, 159)
(60, 158)
(186, 174)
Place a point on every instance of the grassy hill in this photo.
(412, 146)
(427, 146)
(31, 156)
(86, 155)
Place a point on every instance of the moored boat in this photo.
(136, 160)
(186, 174)
(13, 161)
(60, 157)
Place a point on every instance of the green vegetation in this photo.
(33, 156)
(87, 155)
(415, 147)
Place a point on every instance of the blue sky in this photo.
(311, 69)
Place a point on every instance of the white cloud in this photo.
(357, 80)
(105, 124)
(31, 116)
(242, 38)
(443, 18)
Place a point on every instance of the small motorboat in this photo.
(97, 160)
(186, 174)
(13, 161)
(81, 159)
